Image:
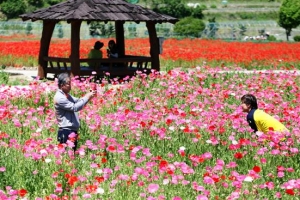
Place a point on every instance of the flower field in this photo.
(176, 53)
(179, 136)
(175, 135)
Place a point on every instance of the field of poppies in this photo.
(19, 51)
(174, 135)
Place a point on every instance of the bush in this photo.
(272, 38)
(189, 26)
(4, 77)
(297, 38)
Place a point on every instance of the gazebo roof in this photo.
(98, 10)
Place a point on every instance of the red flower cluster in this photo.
(238, 155)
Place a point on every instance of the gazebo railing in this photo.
(127, 65)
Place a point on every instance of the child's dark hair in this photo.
(250, 99)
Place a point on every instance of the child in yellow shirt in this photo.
(95, 53)
(259, 120)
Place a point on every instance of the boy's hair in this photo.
(250, 99)
(98, 45)
(62, 79)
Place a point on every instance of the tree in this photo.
(289, 16)
(198, 12)
(189, 26)
(13, 8)
(174, 8)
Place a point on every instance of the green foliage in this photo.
(243, 30)
(212, 28)
(174, 8)
(101, 29)
(162, 30)
(60, 33)
(289, 16)
(213, 6)
(132, 30)
(4, 77)
(272, 38)
(28, 29)
(36, 3)
(297, 38)
(53, 2)
(198, 12)
(13, 8)
(189, 26)
(261, 32)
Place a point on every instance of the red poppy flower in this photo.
(201, 160)
(143, 124)
(72, 180)
(22, 192)
(238, 155)
(256, 169)
(290, 192)
(99, 179)
(169, 121)
(163, 164)
(111, 148)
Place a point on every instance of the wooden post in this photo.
(120, 37)
(48, 27)
(154, 45)
(75, 45)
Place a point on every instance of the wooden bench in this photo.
(127, 65)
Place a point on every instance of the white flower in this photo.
(99, 171)
(208, 141)
(166, 181)
(182, 148)
(248, 179)
(38, 130)
(171, 128)
(100, 191)
(234, 142)
(47, 160)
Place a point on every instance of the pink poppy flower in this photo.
(152, 188)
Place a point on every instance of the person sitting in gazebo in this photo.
(95, 53)
(112, 51)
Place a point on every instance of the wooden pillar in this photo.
(48, 28)
(154, 45)
(120, 37)
(75, 45)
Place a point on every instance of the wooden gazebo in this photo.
(76, 11)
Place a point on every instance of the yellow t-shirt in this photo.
(265, 121)
(94, 53)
